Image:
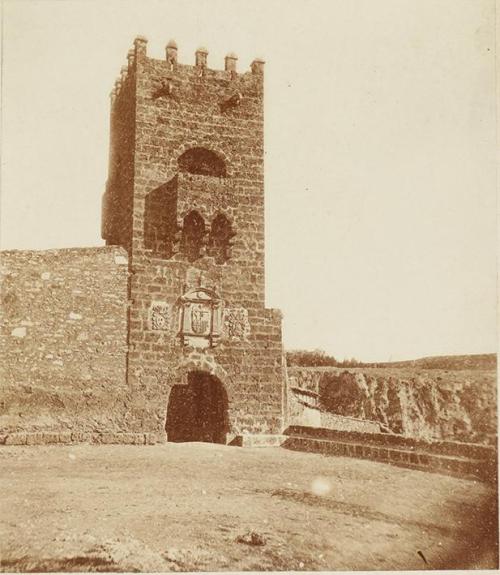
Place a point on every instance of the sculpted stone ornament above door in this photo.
(200, 318)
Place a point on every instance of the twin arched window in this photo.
(161, 232)
(220, 236)
(193, 236)
(194, 233)
(204, 162)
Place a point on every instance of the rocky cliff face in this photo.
(432, 404)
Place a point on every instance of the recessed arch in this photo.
(193, 234)
(202, 161)
(221, 232)
(211, 145)
(198, 411)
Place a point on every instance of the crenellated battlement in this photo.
(138, 55)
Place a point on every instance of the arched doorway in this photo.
(197, 411)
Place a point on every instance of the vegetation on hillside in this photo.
(319, 358)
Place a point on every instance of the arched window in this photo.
(220, 236)
(193, 232)
(203, 162)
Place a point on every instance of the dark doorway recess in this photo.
(197, 411)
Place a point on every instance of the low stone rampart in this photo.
(63, 339)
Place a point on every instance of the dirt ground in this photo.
(194, 506)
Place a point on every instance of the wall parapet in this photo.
(451, 458)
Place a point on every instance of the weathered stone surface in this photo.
(429, 404)
(79, 437)
(67, 374)
(16, 439)
(120, 438)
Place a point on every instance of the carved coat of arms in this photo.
(236, 324)
(200, 317)
(159, 316)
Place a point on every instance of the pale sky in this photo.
(380, 152)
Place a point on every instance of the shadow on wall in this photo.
(198, 411)
(161, 232)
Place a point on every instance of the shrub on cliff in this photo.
(317, 358)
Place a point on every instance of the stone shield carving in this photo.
(236, 324)
(200, 318)
(159, 316)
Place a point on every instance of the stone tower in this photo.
(185, 198)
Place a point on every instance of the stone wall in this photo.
(63, 342)
(455, 458)
(431, 404)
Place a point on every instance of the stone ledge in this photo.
(68, 437)
(439, 447)
(484, 469)
(261, 440)
(66, 251)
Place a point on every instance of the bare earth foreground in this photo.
(184, 506)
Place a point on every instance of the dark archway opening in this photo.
(220, 237)
(193, 232)
(202, 162)
(198, 411)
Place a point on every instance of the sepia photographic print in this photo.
(248, 286)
